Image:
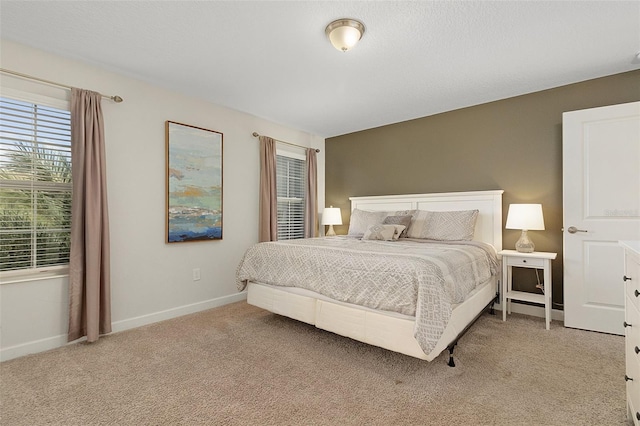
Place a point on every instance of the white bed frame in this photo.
(389, 330)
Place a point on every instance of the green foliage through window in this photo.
(35, 185)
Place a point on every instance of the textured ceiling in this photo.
(273, 60)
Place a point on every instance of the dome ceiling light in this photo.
(344, 33)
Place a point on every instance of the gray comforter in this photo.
(412, 277)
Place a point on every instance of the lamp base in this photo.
(524, 244)
(331, 232)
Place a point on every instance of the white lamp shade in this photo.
(331, 216)
(525, 216)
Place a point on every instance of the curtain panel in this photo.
(311, 200)
(89, 263)
(268, 216)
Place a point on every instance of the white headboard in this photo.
(488, 203)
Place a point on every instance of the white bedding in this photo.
(412, 278)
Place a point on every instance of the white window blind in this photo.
(291, 187)
(35, 185)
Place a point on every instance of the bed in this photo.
(439, 316)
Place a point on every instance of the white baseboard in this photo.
(61, 340)
(33, 347)
(130, 323)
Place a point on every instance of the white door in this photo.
(601, 202)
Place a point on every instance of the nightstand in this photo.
(536, 260)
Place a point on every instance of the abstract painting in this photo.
(194, 183)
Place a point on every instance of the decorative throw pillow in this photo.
(404, 220)
(399, 230)
(381, 232)
(444, 226)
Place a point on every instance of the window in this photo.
(291, 187)
(35, 185)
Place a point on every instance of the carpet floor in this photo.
(240, 365)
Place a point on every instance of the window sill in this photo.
(13, 277)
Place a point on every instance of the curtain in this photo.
(311, 200)
(89, 274)
(268, 221)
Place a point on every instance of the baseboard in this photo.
(33, 347)
(176, 312)
(61, 340)
(535, 311)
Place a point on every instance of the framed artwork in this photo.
(194, 183)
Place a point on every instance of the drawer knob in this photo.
(626, 324)
(637, 415)
(626, 278)
(636, 292)
(627, 378)
(637, 349)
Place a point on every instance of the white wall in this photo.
(150, 280)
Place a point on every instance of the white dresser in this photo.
(632, 326)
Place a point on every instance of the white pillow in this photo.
(444, 226)
(361, 220)
(383, 232)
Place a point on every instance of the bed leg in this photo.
(451, 363)
(451, 346)
(493, 302)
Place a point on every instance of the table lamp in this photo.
(525, 217)
(331, 216)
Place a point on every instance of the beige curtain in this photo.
(268, 226)
(311, 202)
(89, 275)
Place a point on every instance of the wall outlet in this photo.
(196, 274)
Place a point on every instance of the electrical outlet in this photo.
(196, 274)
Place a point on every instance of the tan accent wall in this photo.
(513, 144)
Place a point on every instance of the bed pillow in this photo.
(382, 232)
(444, 226)
(362, 220)
(404, 220)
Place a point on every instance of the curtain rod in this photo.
(115, 98)
(255, 135)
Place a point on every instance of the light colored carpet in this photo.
(240, 365)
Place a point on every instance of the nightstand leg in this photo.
(509, 286)
(505, 278)
(548, 290)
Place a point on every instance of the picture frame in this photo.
(193, 182)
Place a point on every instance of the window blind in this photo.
(291, 184)
(35, 185)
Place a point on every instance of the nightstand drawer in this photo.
(525, 262)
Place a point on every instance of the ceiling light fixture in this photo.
(344, 33)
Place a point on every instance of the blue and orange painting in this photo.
(194, 176)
